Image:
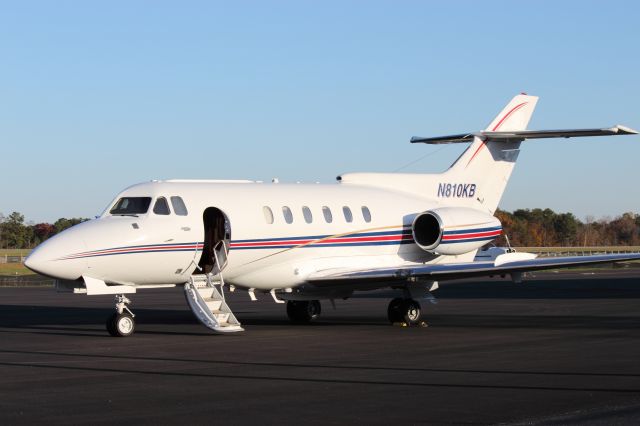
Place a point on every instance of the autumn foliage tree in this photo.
(546, 228)
(16, 234)
(43, 231)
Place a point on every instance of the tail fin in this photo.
(488, 164)
(479, 176)
(516, 115)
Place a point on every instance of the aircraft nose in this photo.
(57, 257)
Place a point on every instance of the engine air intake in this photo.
(427, 230)
(454, 230)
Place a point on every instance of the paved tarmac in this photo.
(560, 349)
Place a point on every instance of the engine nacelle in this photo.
(454, 230)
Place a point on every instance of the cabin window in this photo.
(348, 216)
(131, 205)
(366, 214)
(161, 206)
(308, 217)
(268, 214)
(288, 216)
(178, 206)
(326, 211)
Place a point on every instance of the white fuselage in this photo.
(149, 249)
(136, 242)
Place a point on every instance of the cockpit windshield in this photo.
(131, 206)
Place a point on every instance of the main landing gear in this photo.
(404, 311)
(303, 311)
(121, 323)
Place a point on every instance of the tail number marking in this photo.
(456, 190)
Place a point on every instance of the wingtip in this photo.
(625, 130)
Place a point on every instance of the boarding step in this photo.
(208, 305)
(202, 281)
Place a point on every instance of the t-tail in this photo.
(486, 165)
(478, 178)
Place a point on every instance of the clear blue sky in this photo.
(96, 96)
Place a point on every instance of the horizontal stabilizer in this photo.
(516, 135)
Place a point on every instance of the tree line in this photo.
(16, 234)
(523, 227)
(546, 228)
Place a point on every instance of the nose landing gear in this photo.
(121, 323)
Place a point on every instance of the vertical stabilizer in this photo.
(516, 115)
(488, 165)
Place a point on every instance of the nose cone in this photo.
(59, 257)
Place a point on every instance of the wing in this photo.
(449, 271)
(525, 134)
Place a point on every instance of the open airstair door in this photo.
(217, 235)
(205, 290)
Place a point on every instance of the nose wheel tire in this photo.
(303, 312)
(404, 311)
(121, 325)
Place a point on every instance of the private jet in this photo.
(302, 243)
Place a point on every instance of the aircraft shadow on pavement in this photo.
(75, 318)
(69, 320)
(594, 288)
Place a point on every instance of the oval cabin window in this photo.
(328, 217)
(366, 214)
(288, 216)
(308, 217)
(268, 214)
(348, 216)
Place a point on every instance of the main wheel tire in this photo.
(404, 310)
(411, 312)
(121, 325)
(303, 312)
(394, 312)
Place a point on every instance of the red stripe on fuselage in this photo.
(327, 241)
(272, 243)
(473, 235)
(135, 250)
